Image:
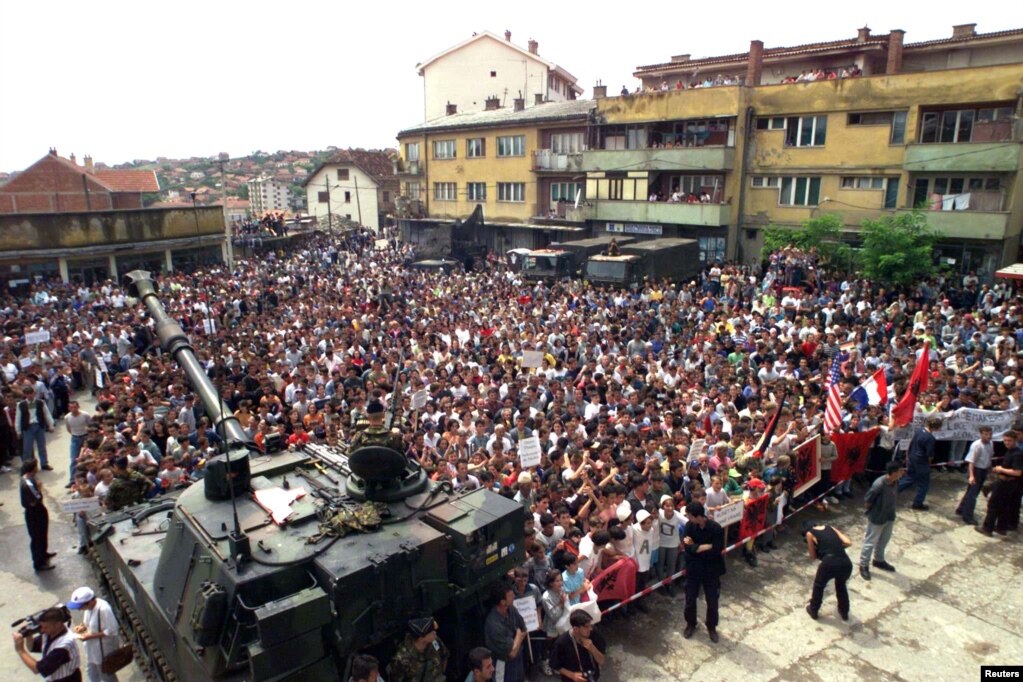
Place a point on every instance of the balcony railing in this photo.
(549, 160)
(706, 215)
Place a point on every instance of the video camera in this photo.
(29, 625)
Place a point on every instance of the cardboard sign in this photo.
(37, 337)
(698, 447)
(526, 606)
(419, 399)
(529, 452)
(729, 514)
(532, 358)
(79, 504)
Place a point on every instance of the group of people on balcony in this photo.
(679, 197)
(825, 75)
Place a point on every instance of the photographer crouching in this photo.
(60, 661)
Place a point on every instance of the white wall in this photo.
(463, 78)
(365, 200)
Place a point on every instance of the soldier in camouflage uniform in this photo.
(376, 434)
(422, 657)
(127, 488)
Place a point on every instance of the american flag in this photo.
(833, 412)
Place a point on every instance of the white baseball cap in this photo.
(81, 597)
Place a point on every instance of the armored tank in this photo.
(284, 566)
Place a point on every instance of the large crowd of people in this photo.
(649, 404)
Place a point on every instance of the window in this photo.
(806, 131)
(870, 118)
(511, 145)
(898, 127)
(567, 143)
(771, 123)
(616, 189)
(765, 181)
(342, 175)
(863, 182)
(475, 148)
(387, 197)
(799, 191)
(712, 249)
(511, 191)
(445, 191)
(323, 197)
(412, 190)
(565, 191)
(444, 149)
(990, 124)
(412, 151)
(476, 191)
(348, 197)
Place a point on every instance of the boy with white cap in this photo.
(98, 630)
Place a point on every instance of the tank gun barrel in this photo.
(174, 340)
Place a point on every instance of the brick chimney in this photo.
(72, 159)
(518, 104)
(599, 91)
(492, 104)
(538, 98)
(451, 109)
(88, 163)
(681, 58)
(964, 31)
(507, 35)
(755, 65)
(535, 46)
(863, 34)
(53, 151)
(895, 51)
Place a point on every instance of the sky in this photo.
(136, 80)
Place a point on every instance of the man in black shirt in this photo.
(704, 542)
(828, 544)
(579, 653)
(1001, 506)
(37, 519)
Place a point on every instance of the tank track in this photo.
(149, 659)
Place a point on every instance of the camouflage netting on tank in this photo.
(363, 518)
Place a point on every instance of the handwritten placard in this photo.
(526, 606)
(419, 399)
(729, 514)
(37, 337)
(79, 504)
(532, 358)
(529, 452)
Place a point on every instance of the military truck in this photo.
(563, 260)
(284, 565)
(652, 259)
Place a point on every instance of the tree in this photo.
(823, 233)
(898, 249)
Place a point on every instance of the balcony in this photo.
(681, 159)
(408, 168)
(969, 224)
(546, 160)
(704, 215)
(985, 157)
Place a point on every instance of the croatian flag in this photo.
(873, 391)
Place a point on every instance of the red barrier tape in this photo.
(663, 582)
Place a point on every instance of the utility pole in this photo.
(358, 204)
(228, 232)
(330, 217)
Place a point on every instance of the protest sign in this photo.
(419, 399)
(37, 337)
(961, 424)
(532, 358)
(79, 504)
(526, 606)
(25, 362)
(529, 452)
(698, 447)
(729, 514)
(209, 326)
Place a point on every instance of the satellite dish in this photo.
(375, 464)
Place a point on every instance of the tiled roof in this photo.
(507, 116)
(129, 180)
(375, 163)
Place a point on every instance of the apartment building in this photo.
(268, 195)
(504, 177)
(720, 148)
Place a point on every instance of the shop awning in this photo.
(1014, 271)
